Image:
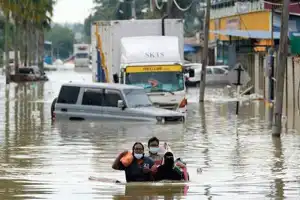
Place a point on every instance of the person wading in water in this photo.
(137, 166)
(168, 171)
(153, 146)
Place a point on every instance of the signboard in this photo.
(233, 24)
(295, 43)
(233, 75)
(153, 68)
(217, 27)
(243, 7)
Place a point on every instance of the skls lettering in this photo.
(154, 54)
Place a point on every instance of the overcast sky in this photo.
(72, 10)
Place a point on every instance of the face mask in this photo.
(138, 155)
(154, 149)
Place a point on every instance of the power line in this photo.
(157, 5)
(280, 4)
(184, 9)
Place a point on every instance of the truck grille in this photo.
(166, 106)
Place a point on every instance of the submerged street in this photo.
(227, 158)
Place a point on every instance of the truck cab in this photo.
(82, 55)
(147, 53)
(154, 63)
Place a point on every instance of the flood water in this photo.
(238, 157)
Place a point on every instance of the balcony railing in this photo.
(224, 8)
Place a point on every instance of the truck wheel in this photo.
(53, 108)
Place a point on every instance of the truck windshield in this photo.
(82, 55)
(157, 81)
(137, 98)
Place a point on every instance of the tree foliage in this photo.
(116, 10)
(62, 40)
(30, 19)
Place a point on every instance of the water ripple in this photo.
(237, 157)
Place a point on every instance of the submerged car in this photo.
(32, 73)
(105, 101)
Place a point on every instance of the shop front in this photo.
(246, 22)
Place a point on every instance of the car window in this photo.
(68, 94)
(219, 71)
(111, 98)
(208, 71)
(93, 98)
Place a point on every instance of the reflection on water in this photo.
(237, 156)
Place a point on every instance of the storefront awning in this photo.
(248, 34)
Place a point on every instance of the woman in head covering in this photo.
(168, 171)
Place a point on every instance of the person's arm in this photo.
(117, 164)
(178, 176)
(158, 175)
(151, 164)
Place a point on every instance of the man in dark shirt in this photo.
(168, 171)
(139, 169)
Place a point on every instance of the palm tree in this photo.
(44, 12)
(7, 7)
(31, 19)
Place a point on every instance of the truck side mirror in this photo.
(121, 104)
(116, 78)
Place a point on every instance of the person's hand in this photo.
(123, 154)
(146, 170)
(154, 168)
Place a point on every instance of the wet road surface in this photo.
(237, 156)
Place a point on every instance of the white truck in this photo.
(148, 53)
(81, 55)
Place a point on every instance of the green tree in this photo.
(30, 18)
(116, 10)
(62, 40)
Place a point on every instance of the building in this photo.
(248, 25)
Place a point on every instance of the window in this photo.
(93, 98)
(82, 55)
(219, 71)
(111, 98)
(68, 94)
(208, 71)
(170, 81)
(137, 98)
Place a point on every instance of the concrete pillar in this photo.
(256, 74)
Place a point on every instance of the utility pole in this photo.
(270, 69)
(133, 11)
(169, 8)
(281, 65)
(205, 52)
(6, 48)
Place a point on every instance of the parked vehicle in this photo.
(105, 101)
(147, 53)
(214, 74)
(32, 73)
(82, 55)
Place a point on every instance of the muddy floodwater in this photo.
(228, 157)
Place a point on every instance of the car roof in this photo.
(102, 85)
